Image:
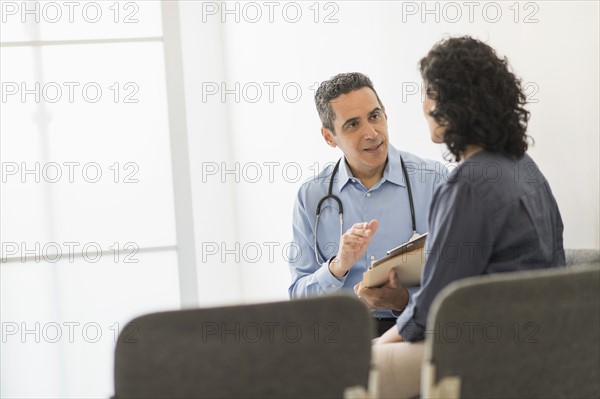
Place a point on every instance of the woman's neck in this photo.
(470, 150)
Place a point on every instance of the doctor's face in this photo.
(360, 128)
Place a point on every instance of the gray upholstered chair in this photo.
(294, 349)
(517, 335)
(576, 257)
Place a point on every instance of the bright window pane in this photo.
(107, 172)
(24, 208)
(78, 308)
(64, 20)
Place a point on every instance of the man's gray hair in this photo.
(331, 89)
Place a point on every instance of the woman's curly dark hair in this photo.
(478, 99)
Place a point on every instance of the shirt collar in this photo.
(344, 175)
(392, 172)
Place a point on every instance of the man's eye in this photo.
(353, 124)
(375, 116)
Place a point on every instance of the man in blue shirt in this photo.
(371, 185)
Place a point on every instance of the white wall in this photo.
(553, 46)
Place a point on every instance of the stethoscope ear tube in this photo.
(410, 197)
(330, 193)
(340, 211)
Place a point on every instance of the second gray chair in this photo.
(582, 256)
(529, 334)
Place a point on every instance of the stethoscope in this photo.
(341, 208)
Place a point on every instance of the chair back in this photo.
(304, 348)
(533, 334)
(583, 256)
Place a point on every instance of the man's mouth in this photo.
(373, 148)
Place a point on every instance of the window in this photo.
(87, 206)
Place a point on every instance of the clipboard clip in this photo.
(407, 246)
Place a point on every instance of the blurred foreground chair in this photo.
(533, 334)
(295, 349)
(578, 257)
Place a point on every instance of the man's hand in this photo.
(392, 295)
(353, 245)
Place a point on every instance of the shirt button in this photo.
(368, 194)
(372, 257)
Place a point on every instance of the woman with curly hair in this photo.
(495, 212)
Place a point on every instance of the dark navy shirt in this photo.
(492, 214)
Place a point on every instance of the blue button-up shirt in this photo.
(387, 201)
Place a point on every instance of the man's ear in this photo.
(328, 136)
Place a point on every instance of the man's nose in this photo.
(370, 132)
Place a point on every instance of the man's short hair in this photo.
(331, 89)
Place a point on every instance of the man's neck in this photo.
(369, 177)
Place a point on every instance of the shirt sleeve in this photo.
(308, 277)
(458, 246)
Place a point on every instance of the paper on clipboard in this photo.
(408, 259)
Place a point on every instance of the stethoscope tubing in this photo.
(330, 195)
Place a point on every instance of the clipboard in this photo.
(408, 260)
